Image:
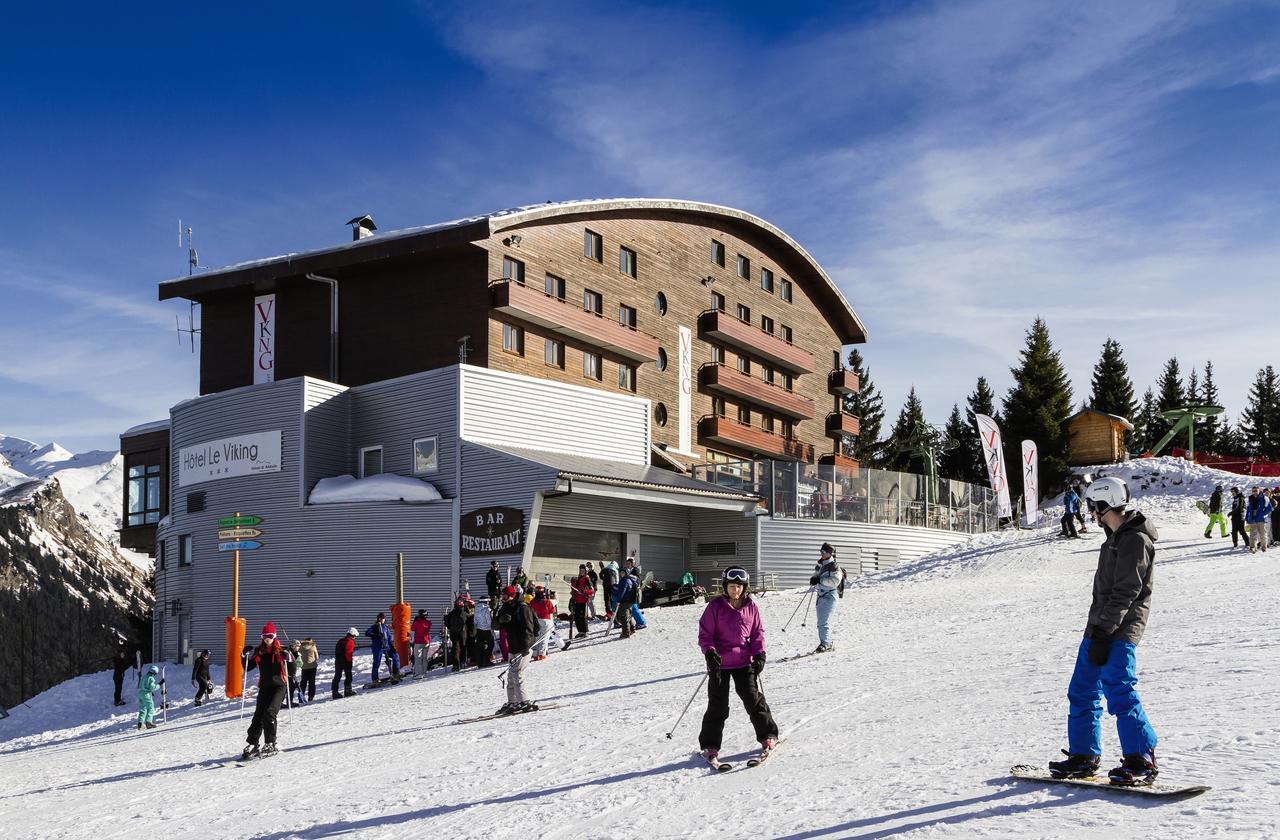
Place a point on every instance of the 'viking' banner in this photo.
(993, 454)
(1030, 481)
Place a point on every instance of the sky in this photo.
(959, 168)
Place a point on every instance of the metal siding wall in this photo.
(393, 413)
(326, 432)
(710, 526)
(789, 547)
(508, 409)
(602, 513)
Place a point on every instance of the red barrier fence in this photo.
(1241, 464)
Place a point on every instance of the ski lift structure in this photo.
(1184, 419)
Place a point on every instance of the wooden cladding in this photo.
(842, 381)
(840, 424)
(555, 315)
(755, 341)
(842, 462)
(721, 379)
(728, 432)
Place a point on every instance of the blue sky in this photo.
(958, 167)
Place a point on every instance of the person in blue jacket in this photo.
(1070, 508)
(1256, 516)
(146, 702)
(380, 633)
(624, 598)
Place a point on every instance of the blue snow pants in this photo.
(826, 606)
(637, 616)
(146, 707)
(1118, 681)
(377, 661)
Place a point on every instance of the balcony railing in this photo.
(742, 436)
(843, 462)
(572, 321)
(840, 424)
(727, 328)
(843, 381)
(722, 379)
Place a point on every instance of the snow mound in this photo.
(375, 488)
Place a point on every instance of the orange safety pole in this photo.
(400, 614)
(235, 634)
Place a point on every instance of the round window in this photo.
(660, 303)
(662, 359)
(660, 414)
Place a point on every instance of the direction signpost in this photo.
(236, 534)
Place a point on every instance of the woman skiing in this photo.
(269, 658)
(731, 637)
(146, 702)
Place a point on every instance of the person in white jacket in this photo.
(826, 582)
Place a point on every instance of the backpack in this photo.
(843, 577)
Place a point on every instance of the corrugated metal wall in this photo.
(392, 414)
(507, 409)
(326, 433)
(492, 479)
(789, 547)
(712, 526)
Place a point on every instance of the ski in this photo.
(1039, 774)
(763, 756)
(497, 715)
(716, 764)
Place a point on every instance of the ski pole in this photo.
(164, 696)
(244, 683)
(806, 612)
(803, 599)
(687, 705)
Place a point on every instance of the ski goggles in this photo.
(268, 637)
(735, 575)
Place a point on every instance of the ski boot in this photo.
(1077, 766)
(139, 724)
(150, 725)
(824, 648)
(507, 708)
(1136, 769)
(270, 750)
(250, 751)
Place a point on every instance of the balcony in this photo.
(849, 466)
(842, 381)
(721, 379)
(727, 328)
(840, 424)
(572, 321)
(741, 436)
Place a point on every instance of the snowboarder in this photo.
(493, 579)
(521, 627)
(310, 660)
(583, 593)
(271, 661)
(731, 637)
(1238, 531)
(1070, 507)
(146, 702)
(1257, 516)
(826, 581)
(421, 643)
(1105, 661)
(1215, 513)
(381, 636)
(121, 662)
(344, 653)
(200, 677)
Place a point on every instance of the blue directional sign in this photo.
(239, 545)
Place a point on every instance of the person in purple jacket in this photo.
(731, 637)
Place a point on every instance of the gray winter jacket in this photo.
(1122, 583)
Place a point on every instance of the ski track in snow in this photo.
(947, 672)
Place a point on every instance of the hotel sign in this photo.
(264, 339)
(491, 530)
(229, 457)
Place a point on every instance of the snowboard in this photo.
(1203, 507)
(1157, 788)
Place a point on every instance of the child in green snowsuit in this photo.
(146, 703)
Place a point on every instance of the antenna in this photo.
(193, 260)
(462, 349)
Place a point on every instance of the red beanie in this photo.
(510, 592)
(269, 629)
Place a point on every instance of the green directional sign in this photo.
(239, 521)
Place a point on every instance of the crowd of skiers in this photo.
(1255, 518)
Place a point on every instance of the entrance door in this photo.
(558, 552)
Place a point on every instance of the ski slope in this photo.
(947, 671)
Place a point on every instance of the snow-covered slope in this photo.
(947, 671)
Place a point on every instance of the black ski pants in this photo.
(748, 688)
(263, 724)
(1069, 525)
(342, 670)
(1238, 532)
(580, 618)
(118, 677)
(309, 683)
(204, 688)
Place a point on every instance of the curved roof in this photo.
(849, 326)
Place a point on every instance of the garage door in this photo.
(664, 556)
(558, 552)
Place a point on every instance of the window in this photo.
(766, 280)
(717, 301)
(144, 494)
(744, 313)
(592, 245)
(513, 339)
(766, 324)
(553, 353)
(744, 267)
(784, 290)
(660, 303)
(370, 461)
(766, 422)
(627, 316)
(786, 334)
(766, 373)
(591, 366)
(788, 429)
(717, 253)
(717, 354)
(661, 363)
(627, 377)
(660, 414)
(513, 270)
(627, 262)
(720, 549)
(744, 415)
(592, 301)
(835, 359)
(744, 364)
(715, 457)
(426, 456)
(555, 286)
(186, 546)
(788, 381)
(160, 559)
(717, 406)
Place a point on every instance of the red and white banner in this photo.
(264, 339)
(993, 454)
(1030, 481)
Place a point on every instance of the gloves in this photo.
(162, 682)
(757, 663)
(1099, 647)
(713, 663)
(813, 581)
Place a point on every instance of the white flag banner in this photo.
(1030, 481)
(993, 454)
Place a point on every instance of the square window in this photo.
(513, 339)
(744, 313)
(784, 290)
(592, 245)
(513, 270)
(592, 302)
(591, 366)
(717, 301)
(627, 262)
(186, 548)
(786, 334)
(555, 286)
(627, 316)
(766, 324)
(627, 378)
(717, 253)
(426, 456)
(766, 280)
(744, 267)
(553, 353)
(370, 461)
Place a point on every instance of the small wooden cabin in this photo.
(1095, 437)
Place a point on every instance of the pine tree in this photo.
(1193, 388)
(981, 401)
(868, 406)
(1146, 424)
(1112, 387)
(1208, 433)
(1170, 393)
(1229, 441)
(1035, 409)
(955, 461)
(909, 432)
(1260, 422)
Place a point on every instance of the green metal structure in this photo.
(1185, 418)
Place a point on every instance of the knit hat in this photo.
(382, 615)
(827, 549)
(421, 613)
(509, 592)
(269, 629)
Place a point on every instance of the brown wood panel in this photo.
(842, 381)
(722, 379)
(728, 329)
(570, 320)
(731, 432)
(840, 424)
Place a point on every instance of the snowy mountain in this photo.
(946, 672)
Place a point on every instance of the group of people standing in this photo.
(1255, 518)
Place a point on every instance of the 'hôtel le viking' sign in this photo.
(492, 530)
(249, 454)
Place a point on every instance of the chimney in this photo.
(361, 227)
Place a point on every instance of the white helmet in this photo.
(1107, 493)
(353, 632)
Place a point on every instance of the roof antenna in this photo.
(462, 349)
(193, 260)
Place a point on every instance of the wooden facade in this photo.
(1095, 437)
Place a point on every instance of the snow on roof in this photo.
(375, 488)
(143, 428)
(1115, 417)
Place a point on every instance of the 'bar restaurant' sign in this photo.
(492, 530)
